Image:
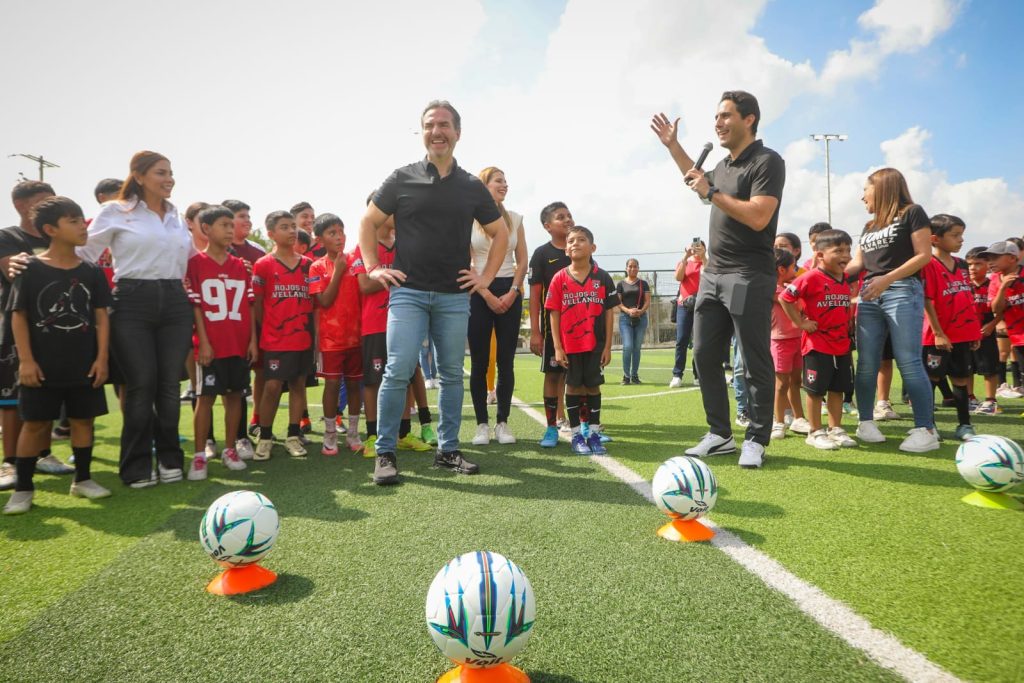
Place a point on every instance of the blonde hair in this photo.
(891, 198)
(485, 177)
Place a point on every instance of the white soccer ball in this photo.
(480, 610)
(684, 488)
(990, 463)
(239, 528)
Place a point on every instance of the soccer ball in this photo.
(239, 528)
(684, 488)
(990, 463)
(480, 610)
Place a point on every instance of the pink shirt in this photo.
(782, 326)
(691, 280)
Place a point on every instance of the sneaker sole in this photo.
(386, 481)
(920, 450)
(713, 451)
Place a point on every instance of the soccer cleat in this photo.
(169, 475)
(354, 443)
(305, 426)
(20, 503)
(385, 470)
(482, 436)
(427, 434)
(1006, 391)
(883, 411)
(868, 432)
(453, 460)
(563, 426)
(8, 477)
(778, 430)
(244, 449)
(330, 443)
(579, 444)
(88, 489)
(412, 443)
(964, 432)
(742, 419)
(293, 445)
(254, 430)
(197, 470)
(848, 408)
(263, 449)
(550, 438)
(920, 440)
(800, 426)
(604, 436)
(232, 460)
(987, 408)
(712, 444)
(503, 434)
(675, 383)
(596, 447)
(820, 440)
(751, 455)
(972, 404)
(370, 446)
(839, 435)
(50, 464)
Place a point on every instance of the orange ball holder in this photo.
(238, 580)
(502, 673)
(685, 531)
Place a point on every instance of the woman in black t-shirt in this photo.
(635, 299)
(894, 247)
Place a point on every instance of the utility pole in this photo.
(43, 163)
(828, 137)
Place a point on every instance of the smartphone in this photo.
(696, 241)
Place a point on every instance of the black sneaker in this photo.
(625, 380)
(453, 460)
(636, 380)
(385, 471)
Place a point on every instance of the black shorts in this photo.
(584, 370)
(986, 358)
(375, 357)
(956, 363)
(1018, 354)
(222, 376)
(548, 362)
(43, 404)
(286, 366)
(824, 372)
(9, 378)
(887, 353)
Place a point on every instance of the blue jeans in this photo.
(412, 314)
(427, 360)
(684, 331)
(900, 312)
(632, 340)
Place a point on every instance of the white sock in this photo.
(329, 424)
(353, 423)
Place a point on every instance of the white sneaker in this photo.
(293, 445)
(712, 444)
(800, 426)
(50, 464)
(675, 383)
(778, 430)
(482, 436)
(819, 439)
(197, 470)
(883, 411)
(88, 489)
(8, 476)
(920, 440)
(232, 460)
(563, 426)
(330, 442)
(503, 434)
(867, 431)
(752, 455)
(354, 443)
(788, 417)
(169, 475)
(263, 449)
(1006, 391)
(244, 449)
(839, 435)
(211, 449)
(19, 503)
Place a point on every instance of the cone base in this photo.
(238, 580)
(503, 673)
(685, 531)
(993, 501)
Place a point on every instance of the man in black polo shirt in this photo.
(736, 287)
(434, 204)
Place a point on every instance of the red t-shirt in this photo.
(249, 252)
(582, 306)
(1013, 314)
(690, 283)
(339, 324)
(223, 292)
(827, 302)
(982, 302)
(287, 306)
(375, 306)
(952, 296)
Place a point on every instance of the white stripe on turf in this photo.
(835, 616)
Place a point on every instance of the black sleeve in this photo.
(769, 177)
(100, 289)
(612, 296)
(486, 210)
(386, 196)
(645, 289)
(535, 275)
(8, 245)
(20, 287)
(916, 218)
(618, 289)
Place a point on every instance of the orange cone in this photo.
(685, 531)
(503, 673)
(236, 580)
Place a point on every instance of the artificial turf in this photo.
(113, 590)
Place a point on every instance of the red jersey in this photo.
(827, 302)
(952, 296)
(223, 292)
(690, 283)
(248, 251)
(375, 306)
(582, 306)
(339, 324)
(1013, 314)
(982, 302)
(287, 307)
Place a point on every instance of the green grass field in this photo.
(113, 590)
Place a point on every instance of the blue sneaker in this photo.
(580, 445)
(550, 438)
(585, 429)
(605, 438)
(596, 446)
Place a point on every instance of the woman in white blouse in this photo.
(151, 319)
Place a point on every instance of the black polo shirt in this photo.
(434, 222)
(736, 248)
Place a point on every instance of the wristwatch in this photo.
(711, 190)
(518, 290)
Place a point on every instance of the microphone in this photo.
(703, 156)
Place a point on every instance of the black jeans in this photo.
(151, 335)
(482, 320)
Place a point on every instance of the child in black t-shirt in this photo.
(59, 318)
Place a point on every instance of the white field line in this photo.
(832, 614)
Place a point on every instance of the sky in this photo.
(275, 103)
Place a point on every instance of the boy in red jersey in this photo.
(336, 289)
(825, 343)
(284, 311)
(986, 357)
(578, 300)
(221, 292)
(951, 331)
(1006, 292)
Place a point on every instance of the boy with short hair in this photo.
(986, 357)
(812, 238)
(284, 311)
(220, 290)
(336, 289)
(951, 331)
(1006, 292)
(578, 300)
(824, 318)
(59, 318)
(785, 350)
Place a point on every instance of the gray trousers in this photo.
(740, 303)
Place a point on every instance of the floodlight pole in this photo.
(828, 137)
(43, 163)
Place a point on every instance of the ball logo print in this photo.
(239, 528)
(684, 488)
(811, 376)
(274, 364)
(934, 361)
(990, 463)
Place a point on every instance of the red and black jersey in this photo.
(982, 302)
(952, 296)
(287, 306)
(248, 251)
(223, 291)
(1013, 315)
(339, 323)
(582, 306)
(826, 301)
(375, 305)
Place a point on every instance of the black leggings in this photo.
(482, 320)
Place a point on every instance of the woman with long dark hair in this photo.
(634, 300)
